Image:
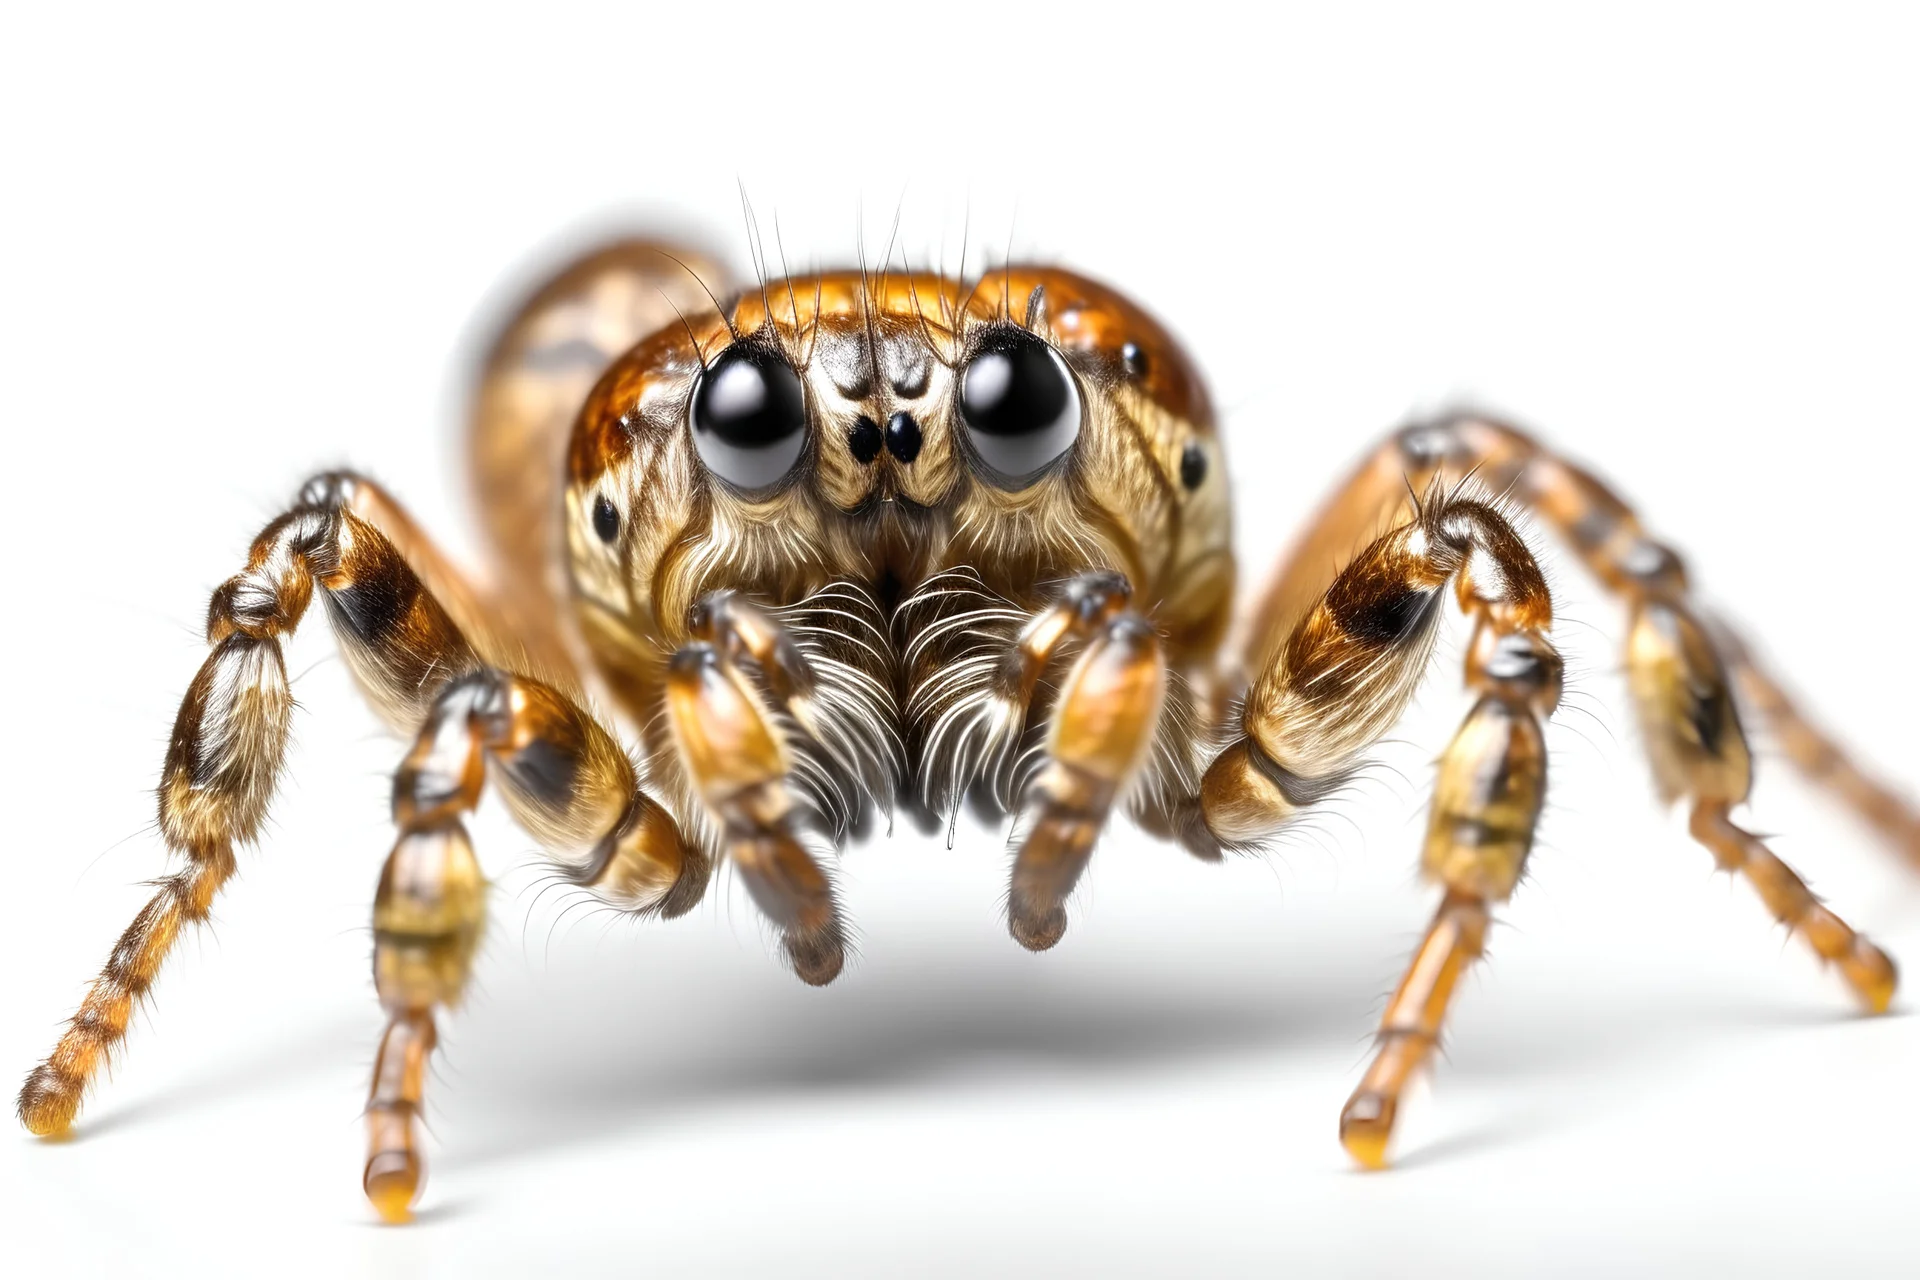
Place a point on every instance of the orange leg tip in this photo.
(48, 1104)
(1873, 976)
(54, 1128)
(1366, 1125)
(392, 1181)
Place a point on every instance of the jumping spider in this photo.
(873, 542)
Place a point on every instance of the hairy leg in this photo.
(781, 719)
(1486, 803)
(1607, 536)
(1820, 759)
(1692, 730)
(1682, 672)
(568, 782)
(344, 540)
(824, 667)
(1060, 755)
(1346, 669)
(1682, 693)
(224, 757)
(1099, 731)
(1339, 679)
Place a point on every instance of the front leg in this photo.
(1100, 732)
(783, 719)
(739, 762)
(981, 668)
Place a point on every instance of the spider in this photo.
(859, 543)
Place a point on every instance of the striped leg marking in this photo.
(569, 783)
(1340, 679)
(224, 757)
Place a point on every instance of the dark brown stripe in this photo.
(1381, 614)
(545, 772)
(378, 599)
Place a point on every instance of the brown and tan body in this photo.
(880, 353)
(867, 542)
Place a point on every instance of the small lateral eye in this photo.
(1020, 405)
(1193, 465)
(749, 416)
(606, 521)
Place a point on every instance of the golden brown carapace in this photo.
(871, 542)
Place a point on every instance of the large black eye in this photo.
(1019, 403)
(749, 416)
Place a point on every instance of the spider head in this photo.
(1031, 423)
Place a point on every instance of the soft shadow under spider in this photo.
(1449, 1150)
(1632, 1025)
(268, 1067)
(739, 1042)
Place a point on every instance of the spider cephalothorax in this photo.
(859, 543)
(922, 460)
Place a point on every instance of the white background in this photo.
(235, 247)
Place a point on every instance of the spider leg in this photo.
(1683, 674)
(568, 782)
(1486, 802)
(1608, 537)
(775, 713)
(1820, 759)
(1308, 643)
(980, 672)
(1339, 679)
(224, 757)
(413, 635)
(738, 763)
(1099, 734)
(1685, 703)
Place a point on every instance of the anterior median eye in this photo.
(1020, 405)
(749, 416)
